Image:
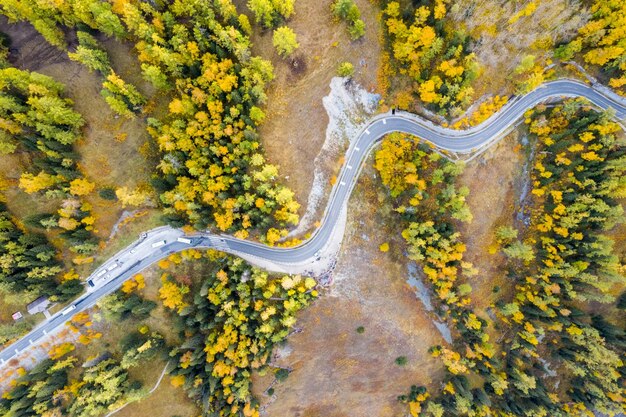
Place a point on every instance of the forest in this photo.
(236, 318)
(67, 384)
(37, 120)
(601, 42)
(561, 264)
(435, 57)
(428, 62)
(203, 110)
(228, 323)
(40, 121)
(212, 170)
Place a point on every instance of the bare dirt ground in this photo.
(293, 132)
(502, 44)
(494, 180)
(338, 371)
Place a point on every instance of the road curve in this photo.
(142, 253)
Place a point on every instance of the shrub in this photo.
(107, 194)
(345, 69)
(285, 41)
(401, 360)
(282, 374)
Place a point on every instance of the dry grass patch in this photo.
(494, 180)
(165, 401)
(128, 231)
(337, 370)
(10, 303)
(294, 130)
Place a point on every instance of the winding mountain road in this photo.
(146, 251)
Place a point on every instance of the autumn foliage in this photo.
(212, 171)
(561, 262)
(434, 56)
(238, 315)
(38, 119)
(602, 42)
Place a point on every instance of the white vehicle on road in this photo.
(184, 240)
(68, 310)
(102, 275)
(159, 243)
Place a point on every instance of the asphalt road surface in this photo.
(143, 253)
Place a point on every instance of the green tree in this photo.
(270, 12)
(34, 393)
(520, 250)
(401, 360)
(102, 386)
(90, 54)
(356, 29)
(123, 98)
(506, 234)
(29, 261)
(285, 41)
(567, 51)
(345, 69)
(526, 64)
(154, 74)
(347, 10)
(282, 374)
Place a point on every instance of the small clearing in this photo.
(338, 371)
(293, 133)
(494, 180)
